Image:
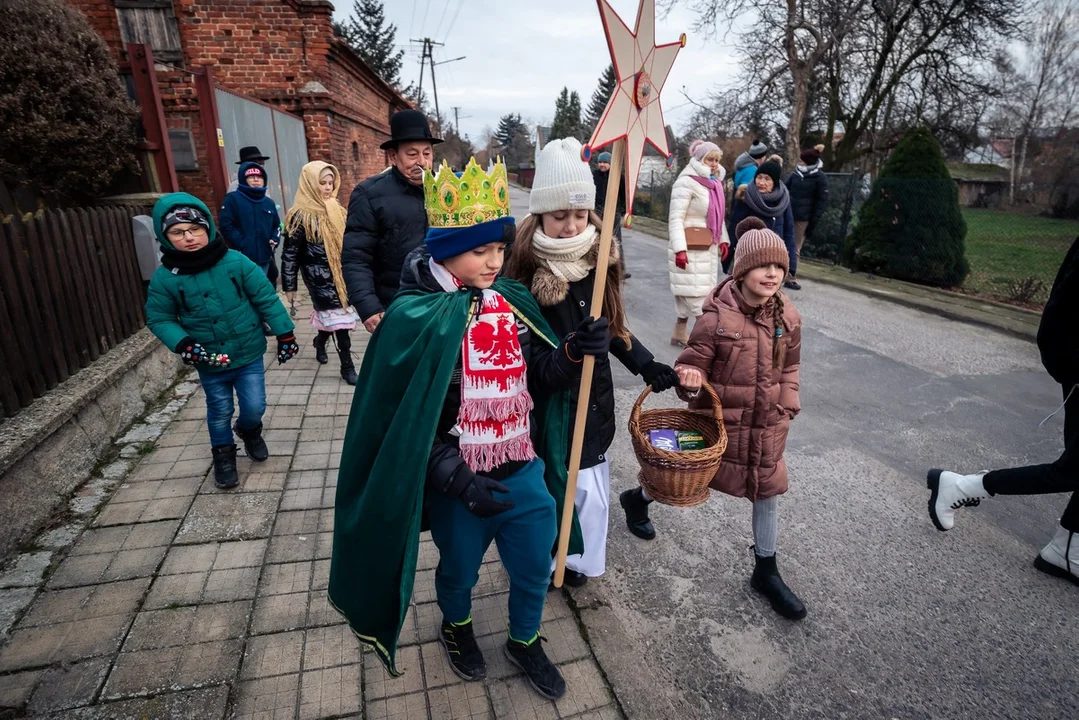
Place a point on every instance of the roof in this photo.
(395, 97)
(978, 172)
(543, 134)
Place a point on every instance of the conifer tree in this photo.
(367, 32)
(600, 97)
(911, 227)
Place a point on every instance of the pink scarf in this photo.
(716, 207)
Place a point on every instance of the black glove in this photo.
(592, 337)
(286, 348)
(478, 497)
(191, 353)
(661, 377)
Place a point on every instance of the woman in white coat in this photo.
(697, 234)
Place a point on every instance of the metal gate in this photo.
(244, 121)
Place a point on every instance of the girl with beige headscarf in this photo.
(314, 234)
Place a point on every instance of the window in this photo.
(183, 149)
(153, 23)
(355, 151)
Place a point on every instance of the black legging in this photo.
(344, 342)
(1056, 477)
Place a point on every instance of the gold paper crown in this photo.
(473, 198)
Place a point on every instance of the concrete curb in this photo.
(1015, 321)
(25, 431)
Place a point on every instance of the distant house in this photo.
(994, 152)
(270, 73)
(543, 134)
(981, 185)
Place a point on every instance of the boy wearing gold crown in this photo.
(461, 417)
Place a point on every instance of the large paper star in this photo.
(634, 112)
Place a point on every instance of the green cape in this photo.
(402, 386)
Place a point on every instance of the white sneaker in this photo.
(951, 491)
(1060, 558)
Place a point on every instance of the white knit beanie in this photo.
(563, 180)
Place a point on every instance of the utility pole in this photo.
(457, 120)
(427, 57)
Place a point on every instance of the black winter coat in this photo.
(809, 195)
(600, 179)
(600, 426)
(308, 259)
(386, 221)
(549, 370)
(1057, 339)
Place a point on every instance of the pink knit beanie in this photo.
(757, 246)
(699, 149)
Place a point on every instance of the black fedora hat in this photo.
(409, 125)
(251, 153)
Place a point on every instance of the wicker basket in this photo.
(678, 478)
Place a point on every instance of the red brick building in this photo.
(282, 53)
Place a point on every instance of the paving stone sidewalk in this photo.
(164, 597)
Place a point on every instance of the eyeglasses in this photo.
(195, 232)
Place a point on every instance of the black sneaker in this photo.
(792, 284)
(254, 445)
(541, 673)
(465, 656)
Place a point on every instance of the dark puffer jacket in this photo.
(1057, 339)
(549, 370)
(308, 259)
(809, 194)
(564, 317)
(386, 221)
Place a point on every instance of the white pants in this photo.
(688, 306)
(593, 503)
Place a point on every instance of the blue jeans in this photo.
(524, 536)
(249, 382)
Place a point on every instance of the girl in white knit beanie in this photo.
(555, 257)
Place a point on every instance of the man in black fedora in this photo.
(251, 153)
(386, 218)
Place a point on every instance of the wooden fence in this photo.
(70, 289)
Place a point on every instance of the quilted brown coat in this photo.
(732, 344)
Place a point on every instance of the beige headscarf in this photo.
(323, 221)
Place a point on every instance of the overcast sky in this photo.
(520, 53)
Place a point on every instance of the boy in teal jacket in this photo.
(207, 303)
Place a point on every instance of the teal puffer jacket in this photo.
(222, 307)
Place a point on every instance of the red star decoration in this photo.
(634, 111)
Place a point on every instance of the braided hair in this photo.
(778, 342)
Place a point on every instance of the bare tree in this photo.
(873, 66)
(1041, 79)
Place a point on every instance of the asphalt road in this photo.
(904, 621)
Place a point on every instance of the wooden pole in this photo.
(605, 238)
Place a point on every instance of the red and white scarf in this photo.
(495, 403)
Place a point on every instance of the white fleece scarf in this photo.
(565, 257)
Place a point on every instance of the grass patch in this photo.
(1006, 249)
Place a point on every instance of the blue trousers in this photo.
(249, 382)
(524, 536)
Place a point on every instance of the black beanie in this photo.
(772, 170)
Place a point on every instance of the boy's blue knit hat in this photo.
(444, 243)
(604, 157)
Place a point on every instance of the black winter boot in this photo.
(767, 582)
(344, 350)
(320, 348)
(225, 475)
(636, 507)
(254, 445)
(348, 370)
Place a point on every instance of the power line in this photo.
(455, 14)
(445, 7)
(423, 25)
(412, 22)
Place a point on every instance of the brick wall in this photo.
(282, 52)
